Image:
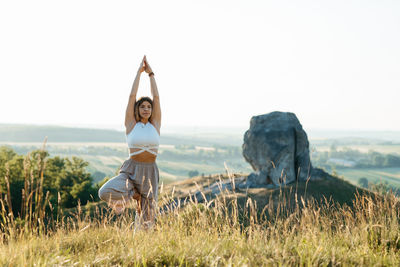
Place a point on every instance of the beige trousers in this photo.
(134, 176)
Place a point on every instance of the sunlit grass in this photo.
(221, 231)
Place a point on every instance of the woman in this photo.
(138, 176)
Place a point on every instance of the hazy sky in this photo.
(336, 64)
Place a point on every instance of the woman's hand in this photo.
(142, 66)
(147, 67)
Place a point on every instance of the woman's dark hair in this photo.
(138, 103)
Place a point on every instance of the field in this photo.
(389, 175)
(175, 161)
(385, 175)
(192, 151)
(386, 149)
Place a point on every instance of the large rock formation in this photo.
(277, 148)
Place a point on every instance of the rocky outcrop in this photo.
(277, 148)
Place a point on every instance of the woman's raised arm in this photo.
(156, 114)
(129, 113)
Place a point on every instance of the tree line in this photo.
(29, 180)
(372, 159)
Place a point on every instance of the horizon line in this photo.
(171, 126)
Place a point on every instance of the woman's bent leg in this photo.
(117, 192)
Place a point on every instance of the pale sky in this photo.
(335, 64)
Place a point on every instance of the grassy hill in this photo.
(334, 190)
(229, 229)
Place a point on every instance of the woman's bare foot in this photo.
(136, 195)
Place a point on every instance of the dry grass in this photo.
(223, 231)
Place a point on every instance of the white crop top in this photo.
(143, 136)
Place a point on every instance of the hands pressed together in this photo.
(144, 66)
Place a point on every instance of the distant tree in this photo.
(12, 167)
(391, 161)
(75, 183)
(363, 182)
(37, 174)
(377, 159)
(21, 172)
(193, 173)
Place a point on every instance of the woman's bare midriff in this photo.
(143, 157)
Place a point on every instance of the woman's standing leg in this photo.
(147, 179)
(148, 209)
